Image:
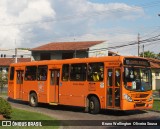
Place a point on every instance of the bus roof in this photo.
(77, 60)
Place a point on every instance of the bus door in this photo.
(19, 83)
(54, 85)
(113, 87)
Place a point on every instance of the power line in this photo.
(145, 41)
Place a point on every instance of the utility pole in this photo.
(143, 50)
(15, 52)
(15, 55)
(138, 38)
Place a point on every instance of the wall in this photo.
(98, 50)
(58, 54)
(154, 78)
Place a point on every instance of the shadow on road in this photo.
(80, 109)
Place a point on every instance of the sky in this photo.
(31, 23)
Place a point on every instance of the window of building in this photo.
(78, 72)
(30, 73)
(95, 71)
(42, 73)
(67, 55)
(65, 72)
(45, 56)
(12, 73)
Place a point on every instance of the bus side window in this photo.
(110, 77)
(30, 73)
(42, 73)
(95, 71)
(78, 72)
(65, 72)
(12, 73)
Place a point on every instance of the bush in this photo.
(5, 108)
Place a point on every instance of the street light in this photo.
(159, 14)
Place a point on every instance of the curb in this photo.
(154, 110)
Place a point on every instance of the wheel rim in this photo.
(91, 105)
(33, 100)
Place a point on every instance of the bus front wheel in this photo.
(33, 100)
(94, 106)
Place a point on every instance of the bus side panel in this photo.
(75, 93)
(98, 89)
(28, 86)
(40, 88)
(42, 91)
(72, 93)
(11, 89)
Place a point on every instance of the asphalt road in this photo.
(76, 113)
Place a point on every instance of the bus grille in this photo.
(137, 100)
(139, 95)
(140, 104)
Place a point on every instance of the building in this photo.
(10, 53)
(7, 56)
(155, 65)
(66, 50)
(5, 62)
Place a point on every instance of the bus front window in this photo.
(137, 79)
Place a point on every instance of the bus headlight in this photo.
(128, 98)
(150, 98)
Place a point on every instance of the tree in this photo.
(158, 56)
(148, 54)
(3, 80)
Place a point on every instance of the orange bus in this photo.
(116, 82)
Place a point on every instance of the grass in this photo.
(156, 105)
(3, 94)
(28, 116)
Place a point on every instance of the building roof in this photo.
(155, 63)
(8, 61)
(80, 45)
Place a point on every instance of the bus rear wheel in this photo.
(94, 106)
(33, 100)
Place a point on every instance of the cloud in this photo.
(31, 22)
(16, 17)
(80, 18)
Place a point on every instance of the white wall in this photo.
(154, 77)
(98, 50)
(10, 52)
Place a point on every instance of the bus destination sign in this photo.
(136, 62)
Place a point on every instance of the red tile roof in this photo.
(155, 63)
(8, 61)
(81, 45)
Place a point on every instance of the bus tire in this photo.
(33, 100)
(94, 106)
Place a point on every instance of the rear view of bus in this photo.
(137, 90)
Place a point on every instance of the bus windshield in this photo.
(137, 79)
